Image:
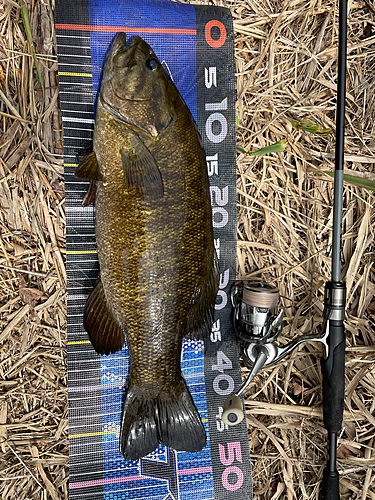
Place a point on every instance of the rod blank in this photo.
(340, 141)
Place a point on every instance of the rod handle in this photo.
(330, 485)
(333, 370)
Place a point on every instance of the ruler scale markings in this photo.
(73, 137)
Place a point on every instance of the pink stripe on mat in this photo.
(126, 479)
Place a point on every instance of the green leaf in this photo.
(309, 126)
(242, 150)
(356, 180)
(237, 122)
(26, 23)
(273, 148)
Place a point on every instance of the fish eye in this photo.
(152, 64)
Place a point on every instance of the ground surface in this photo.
(286, 63)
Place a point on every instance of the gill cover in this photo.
(143, 102)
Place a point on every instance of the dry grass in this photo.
(286, 65)
(286, 69)
(33, 377)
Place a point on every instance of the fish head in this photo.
(135, 89)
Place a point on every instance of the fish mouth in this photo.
(124, 56)
(127, 56)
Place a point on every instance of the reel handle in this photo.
(233, 412)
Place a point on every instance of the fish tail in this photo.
(170, 418)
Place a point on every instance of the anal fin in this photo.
(105, 333)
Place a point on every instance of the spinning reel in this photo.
(257, 322)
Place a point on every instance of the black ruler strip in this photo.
(217, 124)
(84, 368)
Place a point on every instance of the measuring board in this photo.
(196, 43)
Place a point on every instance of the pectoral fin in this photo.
(89, 168)
(141, 170)
(105, 333)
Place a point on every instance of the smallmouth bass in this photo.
(158, 267)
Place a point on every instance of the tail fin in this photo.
(170, 419)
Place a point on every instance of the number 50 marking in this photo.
(227, 459)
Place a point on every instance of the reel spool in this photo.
(255, 309)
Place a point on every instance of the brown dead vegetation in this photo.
(286, 63)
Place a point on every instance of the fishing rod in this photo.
(333, 367)
(258, 322)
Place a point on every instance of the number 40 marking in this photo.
(223, 363)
